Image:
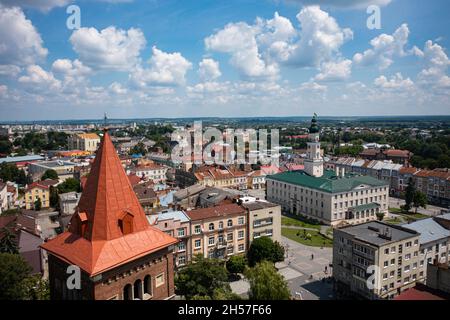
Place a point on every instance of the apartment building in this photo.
(150, 171)
(209, 176)
(3, 196)
(263, 217)
(435, 184)
(84, 141)
(39, 191)
(375, 260)
(218, 232)
(434, 241)
(176, 224)
(386, 170)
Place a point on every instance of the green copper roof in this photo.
(365, 207)
(329, 182)
(314, 128)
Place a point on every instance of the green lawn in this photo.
(317, 240)
(394, 221)
(411, 214)
(292, 222)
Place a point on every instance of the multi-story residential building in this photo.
(263, 219)
(147, 196)
(3, 196)
(218, 232)
(39, 191)
(438, 277)
(435, 184)
(64, 169)
(332, 197)
(84, 141)
(434, 240)
(383, 170)
(150, 171)
(376, 260)
(176, 224)
(221, 177)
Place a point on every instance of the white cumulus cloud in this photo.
(109, 49)
(208, 69)
(20, 43)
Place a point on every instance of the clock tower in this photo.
(314, 161)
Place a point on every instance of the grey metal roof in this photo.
(429, 230)
(370, 232)
(21, 159)
(175, 215)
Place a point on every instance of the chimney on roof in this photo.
(337, 171)
(342, 172)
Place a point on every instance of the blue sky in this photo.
(154, 58)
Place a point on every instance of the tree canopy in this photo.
(266, 283)
(264, 249)
(13, 272)
(202, 278)
(50, 174)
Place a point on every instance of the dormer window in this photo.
(126, 223)
(82, 223)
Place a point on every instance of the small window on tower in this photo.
(126, 223)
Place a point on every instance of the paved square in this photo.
(289, 273)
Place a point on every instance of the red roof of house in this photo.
(134, 179)
(107, 197)
(45, 184)
(420, 292)
(217, 211)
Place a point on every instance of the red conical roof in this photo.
(108, 196)
(96, 240)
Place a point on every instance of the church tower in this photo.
(314, 161)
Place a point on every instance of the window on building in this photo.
(181, 232)
(230, 223)
(241, 234)
(159, 280)
(211, 241)
(197, 229)
(241, 248)
(241, 220)
(211, 226)
(197, 243)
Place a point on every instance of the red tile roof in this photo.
(106, 198)
(420, 292)
(46, 184)
(217, 211)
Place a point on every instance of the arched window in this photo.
(137, 288)
(220, 225)
(211, 226)
(147, 285)
(128, 292)
(230, 223)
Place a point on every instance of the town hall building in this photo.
(332, 197)
(118, 254)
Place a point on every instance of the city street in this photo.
(429, 211)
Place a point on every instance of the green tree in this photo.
(236, 264)
(54, 198)
(266, 283)
(8, 244)
(69, 185)
(38, 205)
(13, 273)
(264, 249)
(139, 149)
(420, 200)
(202, 277)
(380, 216)
(50, 174)
(5, 146)
(9, 172)
(409, 195)
(36, 288)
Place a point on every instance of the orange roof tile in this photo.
(217, 211)
(106, 198)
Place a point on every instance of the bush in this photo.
(236, 264)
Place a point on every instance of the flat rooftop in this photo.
(372, 233)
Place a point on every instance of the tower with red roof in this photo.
(119, 255)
